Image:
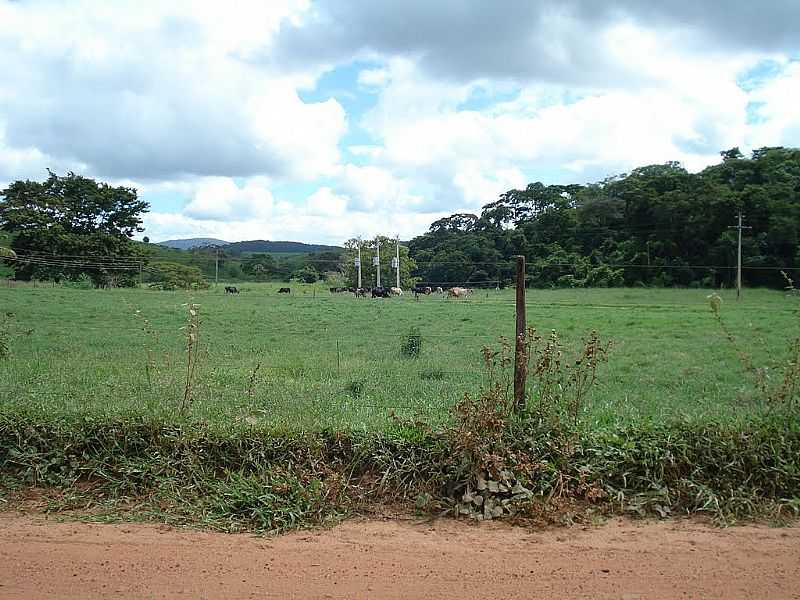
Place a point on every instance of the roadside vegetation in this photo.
(244, 416)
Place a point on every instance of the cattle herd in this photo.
(382, 292)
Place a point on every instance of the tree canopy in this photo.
(69, 216)
(657, 225)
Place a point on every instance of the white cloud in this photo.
(159, 93)
(219, 198)
(778, 121)
(376, 188)
(373, 77)
(326, 203)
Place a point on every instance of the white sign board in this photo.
(375, 261)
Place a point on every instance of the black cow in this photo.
(380, 292)
(284, 291)
(229, 289)
(360, 292)
(418, 289)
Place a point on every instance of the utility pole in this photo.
(739, 255)
(376, 260)
(358, 264)
(216, 267)
(396, 262)
(520, 355)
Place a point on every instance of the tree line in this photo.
(658, 225)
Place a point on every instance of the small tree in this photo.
(307, 274)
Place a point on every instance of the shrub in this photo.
(173, 276)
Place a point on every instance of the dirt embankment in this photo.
(42, 558)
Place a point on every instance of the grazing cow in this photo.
(456, 292)
(396, 291)
(285, 291)
(417, 289)
(360, 292)
(380, 292)
(439, 290)
(229, 289)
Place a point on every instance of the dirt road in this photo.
(399, 559)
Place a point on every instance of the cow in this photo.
(396, 291)
(456, 292)
(229, 289)
(285, 291)
(360, 292)
(380, 292)
(418, 290)
(439, 290)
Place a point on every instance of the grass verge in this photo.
(254, 479)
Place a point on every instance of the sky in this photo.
(321, 121)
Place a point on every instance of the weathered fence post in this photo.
(520, 358)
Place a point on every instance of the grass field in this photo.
(313, 360)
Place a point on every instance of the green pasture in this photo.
(313, 359)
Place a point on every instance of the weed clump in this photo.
(356, 388)
(433, 374)
(191, 332)
(412, 344)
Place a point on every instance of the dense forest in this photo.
(658, 225)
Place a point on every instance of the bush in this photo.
(173, 276)
(306, 275)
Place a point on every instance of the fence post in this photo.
(520, 358)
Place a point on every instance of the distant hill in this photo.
(284, 247)
(190, 243)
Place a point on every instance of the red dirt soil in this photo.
(42, 558)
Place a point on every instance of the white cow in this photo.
(395, 291)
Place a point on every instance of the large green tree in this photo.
(70, 223)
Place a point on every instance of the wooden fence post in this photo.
(520, 358)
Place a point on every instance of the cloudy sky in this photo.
(319, 121)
